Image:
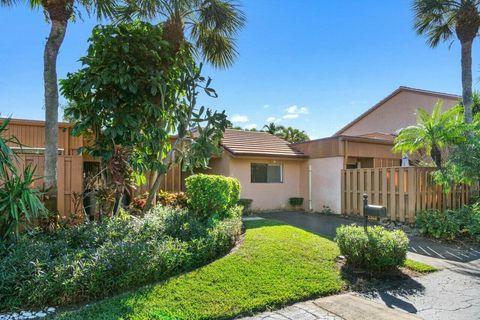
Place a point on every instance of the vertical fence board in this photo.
(348, 186)
(393, 195)
(354, 192)
(404, 191)
(401, 194)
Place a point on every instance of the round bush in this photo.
(376, 249)
(210, 195)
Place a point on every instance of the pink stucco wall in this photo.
(266, 196)
(397, 113)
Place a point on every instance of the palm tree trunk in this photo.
(467, 80)
(55, 40)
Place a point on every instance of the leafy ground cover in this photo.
(419, 266)
(277, 264)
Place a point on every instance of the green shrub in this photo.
(210, 195)
(437, 224)
(246, 204)
(450, 224)
(295, 201)
(376, 249)
(96, 260)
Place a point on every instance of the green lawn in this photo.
(276, 265)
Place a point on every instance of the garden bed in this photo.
(94, 261)
(276, 265)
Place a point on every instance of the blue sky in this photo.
(311, 64)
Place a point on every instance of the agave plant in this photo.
(19, 203)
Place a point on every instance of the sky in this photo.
(314, 65)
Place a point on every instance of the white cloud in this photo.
(273, 119)
(237, 118)
(266, 106)
(296, 110)
(291, 116)
(251, 126)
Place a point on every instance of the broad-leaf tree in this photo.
(133, 92)
(58, 13)
(441, 20)
(433, 133)
(209, 27)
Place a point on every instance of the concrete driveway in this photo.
(452, 293)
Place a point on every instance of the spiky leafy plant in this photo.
(19, 203)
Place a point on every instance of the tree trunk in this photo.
(153, 192)
(169, 159)
(55, 40)
(467, 80)
(436, 155)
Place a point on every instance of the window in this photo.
(266, 173)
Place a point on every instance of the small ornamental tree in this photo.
(433, 133)
(133, 92)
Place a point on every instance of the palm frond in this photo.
(435, 19)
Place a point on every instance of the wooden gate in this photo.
(69, 177)
(404, 191)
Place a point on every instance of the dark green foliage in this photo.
(463, 164)
(246, 204)
(210, 195)
(376, 249)
(437, 224)
(451, 224)
(93, 261)
(295, 201)
(133, 91)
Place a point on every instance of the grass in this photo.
(419, 266)
(276, 265)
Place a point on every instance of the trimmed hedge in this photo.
(376, 249)
(212, 194)
(93, 261)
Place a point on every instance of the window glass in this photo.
(266, 173)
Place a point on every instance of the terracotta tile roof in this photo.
(255, 143)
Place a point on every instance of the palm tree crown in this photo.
(272, 128)
(439, 20)
(212, 24)
(432, 133)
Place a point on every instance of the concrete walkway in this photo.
(339, 307)
(452, 293)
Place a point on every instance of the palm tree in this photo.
(439, 20)
(272, 128)
(212, 25)
(432, 133)
(293, 135)
(58, 13)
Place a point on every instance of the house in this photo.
(270, 170)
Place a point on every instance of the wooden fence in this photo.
(172, 182)
(69, 178)
(404, 191)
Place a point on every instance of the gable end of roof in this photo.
(390, 96)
